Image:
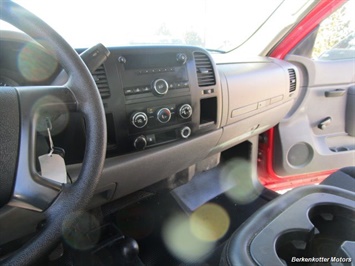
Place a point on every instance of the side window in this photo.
(336, 35)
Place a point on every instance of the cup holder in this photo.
(333, 225)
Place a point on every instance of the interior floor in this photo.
(147, 222)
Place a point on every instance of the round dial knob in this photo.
(185, 132)
(139, 120)
(181, 58)
(140, 143)
(185, 111)
(160, 87)
(164, 115)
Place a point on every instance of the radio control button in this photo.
(164, 115)
(121, 59)
(160, 87)
(145, 89)
(185, 111)
(181, 58)
(137, 90)
(139, 120)
(128, 91)
(185, 84)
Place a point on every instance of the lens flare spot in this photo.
(77, 231)
(58, 113)
(35, 64)
(181, 242)
(236, 177)
(209, 222)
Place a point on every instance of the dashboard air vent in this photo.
(101, 81)
(204, 69)
(292, 79)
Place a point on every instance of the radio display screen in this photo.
(145, 61)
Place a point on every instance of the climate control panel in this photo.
(157, 116)
(158, 124)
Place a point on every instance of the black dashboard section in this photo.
(155, 97)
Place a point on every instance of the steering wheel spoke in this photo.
(37, 104)
(35, 97)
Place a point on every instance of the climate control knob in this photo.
(140, 142)
(164, 115)
(139, 119)
(185, 132)
(185, 111)
(160, 87)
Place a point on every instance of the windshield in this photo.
(216, 25)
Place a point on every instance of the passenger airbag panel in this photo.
(256, 87)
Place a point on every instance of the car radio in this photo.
(157, 97)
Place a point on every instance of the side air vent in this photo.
(204, 69)
(292, 74)
(101, 81)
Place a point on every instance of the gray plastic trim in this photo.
(138, 170)
(301, 124)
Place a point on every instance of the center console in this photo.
(310, 225)
(157, 97)
(154, 95)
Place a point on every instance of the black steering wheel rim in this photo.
(73, 198)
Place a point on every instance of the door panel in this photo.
(315, 137)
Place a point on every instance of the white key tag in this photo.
(52, 165)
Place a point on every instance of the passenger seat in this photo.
(343, 178)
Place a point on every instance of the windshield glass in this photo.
(216, 25)
(205, 23)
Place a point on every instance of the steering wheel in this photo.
(20, 109)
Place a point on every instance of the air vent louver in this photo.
(101, 81)
(292, 74)
(204, 69)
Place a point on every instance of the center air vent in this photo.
(204, 69)
(101, 81)
(292, 79)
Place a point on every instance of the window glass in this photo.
(336, 35)
(218, 25)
